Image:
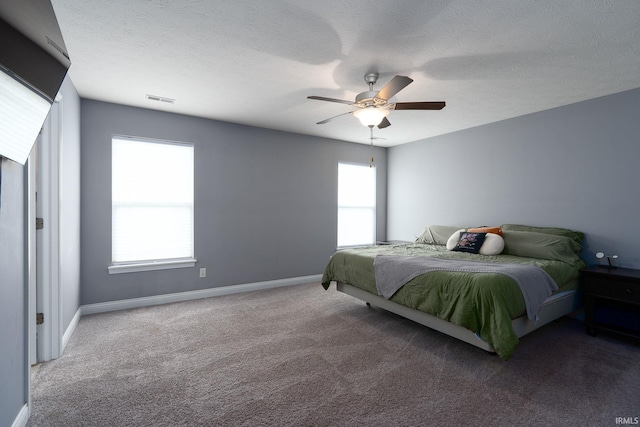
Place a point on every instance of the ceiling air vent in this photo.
(160, 99)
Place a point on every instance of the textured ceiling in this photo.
(255, 62)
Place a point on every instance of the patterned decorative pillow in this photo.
(470, 242)
(493, 244)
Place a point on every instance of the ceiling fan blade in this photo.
(394, 86)
(384, 123)
(334, 117)
(419, 105)
(322, 98)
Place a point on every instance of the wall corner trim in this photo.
(70, 330)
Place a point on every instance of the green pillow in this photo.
(540, 245)
(576, 236)
(437, 234)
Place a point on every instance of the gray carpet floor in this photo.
(302, 356)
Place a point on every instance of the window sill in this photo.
(150, 266)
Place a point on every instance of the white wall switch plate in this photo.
(203, 272)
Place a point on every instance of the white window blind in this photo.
(356, 204)
(22, 113)
(152, 201)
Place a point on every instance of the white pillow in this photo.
(493, 243)
(453, 240)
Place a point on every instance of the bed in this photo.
(478, 296)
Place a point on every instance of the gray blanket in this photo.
(392, 272)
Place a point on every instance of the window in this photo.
(356, 204)
(151, 205)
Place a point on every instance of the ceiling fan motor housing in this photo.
(368, 99)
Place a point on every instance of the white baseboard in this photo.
(104, 307)
(22, 418)
(70, 329)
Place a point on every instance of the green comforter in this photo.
(484, 303)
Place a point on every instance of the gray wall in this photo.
(13, 328)
(265, 201)
(69, 205)
(574, 166)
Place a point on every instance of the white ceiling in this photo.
(255, 62)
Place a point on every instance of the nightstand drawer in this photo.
(621, 289)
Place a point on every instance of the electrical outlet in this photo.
(203, 272)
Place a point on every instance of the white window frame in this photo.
(117, 267)
(371, 209)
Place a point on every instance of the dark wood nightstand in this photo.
(612, 300)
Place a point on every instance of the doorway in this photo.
(45, 339)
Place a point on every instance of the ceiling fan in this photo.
(373, 107)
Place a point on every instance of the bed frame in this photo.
(554, 307)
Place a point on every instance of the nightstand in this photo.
(612, 300)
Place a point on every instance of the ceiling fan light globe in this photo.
(371, 116)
